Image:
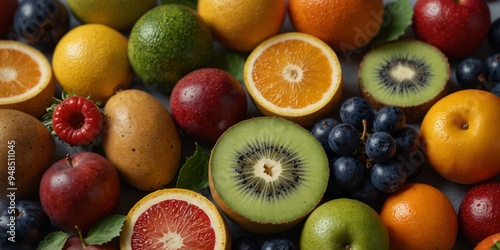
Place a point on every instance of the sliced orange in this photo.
(26, 80)
(174, 218)
(295, 76)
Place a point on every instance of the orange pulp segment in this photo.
(295, 76)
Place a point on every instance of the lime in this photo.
(168, 42)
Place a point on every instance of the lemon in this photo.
(117, 14)
(91, 60)
(168, 42)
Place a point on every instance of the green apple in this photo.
(344, 223)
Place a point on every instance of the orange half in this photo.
(26, 80)
(295, 76)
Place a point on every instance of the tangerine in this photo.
(241, 25)
(295, 76)
(420, 216)
(460, 136)
(26, 80)
(343, 24)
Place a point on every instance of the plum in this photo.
(206, 102)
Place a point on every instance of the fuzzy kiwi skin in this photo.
(141, 139)
(244, 222)
(412, 113)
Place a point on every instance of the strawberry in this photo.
(75, 120)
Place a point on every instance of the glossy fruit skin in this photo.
(479, 212)
(206, 102)
(380, 146)
(31, 224)
(348, 171)
(7, 13)
(493, 66)
(389, 176)
(456, 27)
(74, 243)
(408, 151)
(471, 72)
(389, 119)
(496, 89)
(356, 109)
(344, 139)
(344, 223)
(41, 22)
(81, 192)
(321, 130)
(77, 121)
(278, 243)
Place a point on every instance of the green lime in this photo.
(168, 42)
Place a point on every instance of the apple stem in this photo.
(80, 236)
(69, 160)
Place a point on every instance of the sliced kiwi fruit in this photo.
(267, 174)
(409, 74)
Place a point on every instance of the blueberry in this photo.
(494, 34)
(366, 192)
(344, 139)
(496, 89)
(41, 22)
(408, 151)
(245, 243)
(321, 129)
(380, 146)
(493, 66)
(388, 176)
(348, 171)
(389, 119)
(30, 225)
(356, 109)
(471, 72)
(278, 244)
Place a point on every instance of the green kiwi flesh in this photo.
(409, 74)
(267, 171)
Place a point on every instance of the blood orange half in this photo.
(174, 218)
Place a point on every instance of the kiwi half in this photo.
(267, 174)
(409, 74)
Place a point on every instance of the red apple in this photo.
(206, 102)
(74, 243)
(479, 212)
(456, 27)
(79, 191)
(7, 11)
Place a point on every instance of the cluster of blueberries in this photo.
(472, 72)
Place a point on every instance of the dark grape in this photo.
(408, 151)
(380, 146)
(471, 72)
(493, 67)
(348, 171)
(278, 244)
(388, 176)
(322, 129)
(344, 139)
(356, 109)
(41, 23)
(245, 243)
(389, 119)
(496, 89)
(366, 192)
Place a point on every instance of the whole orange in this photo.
(460, 136)
(343, 24)
(420, 216)
(241, 24)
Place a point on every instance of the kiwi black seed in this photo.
(409, 74)
(267, 173)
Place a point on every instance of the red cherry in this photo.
(77, 121)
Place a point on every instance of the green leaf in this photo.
(397, 18)
(232, 63)
(194, 173)
(53, 241)
(105, 230)
(190, 3)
